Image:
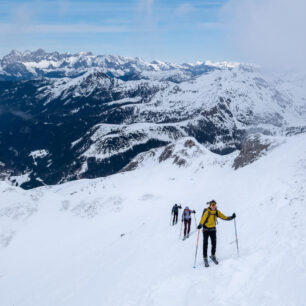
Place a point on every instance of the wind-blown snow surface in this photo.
(109, 242)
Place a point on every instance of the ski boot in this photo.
(214, 259)
(206, 262)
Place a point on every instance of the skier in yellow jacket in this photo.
(208, 222)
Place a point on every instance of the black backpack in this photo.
(209, 213)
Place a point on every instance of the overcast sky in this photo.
(172, 30)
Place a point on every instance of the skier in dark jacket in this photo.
(208, 222)
(186, 217)
(175, 211)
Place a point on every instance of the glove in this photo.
(200, 226)
(233, 216)
(194, 211)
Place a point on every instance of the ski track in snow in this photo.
(108, 241)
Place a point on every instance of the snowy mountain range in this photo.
(111, 143)
(65, 117)
(32, 65)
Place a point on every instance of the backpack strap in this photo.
(216, 216)
(204, 211)
(209, 213)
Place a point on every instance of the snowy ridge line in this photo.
(40, 63)
(146, 131)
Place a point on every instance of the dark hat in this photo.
(211, 202)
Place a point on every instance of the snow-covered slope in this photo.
(109, 241)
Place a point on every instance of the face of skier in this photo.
(213, 206)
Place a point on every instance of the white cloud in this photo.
(184, 9)
(64, 6)
(13, 32)
(209, 25)
(268, 32)
(145, 10)
(146, 6)
(65, 28)
(22, 14)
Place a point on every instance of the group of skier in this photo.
(207, 224)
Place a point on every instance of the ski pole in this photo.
(171, 219)
(181, 229)
(195, 257)
(236, 237)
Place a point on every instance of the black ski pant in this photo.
(175, 216)
(187, 224)
(212, 233)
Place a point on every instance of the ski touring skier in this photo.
(175, 211)
(186, 218)
(208, 222)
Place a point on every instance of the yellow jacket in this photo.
(209, 217)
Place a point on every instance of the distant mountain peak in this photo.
(39, 63)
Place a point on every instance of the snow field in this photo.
(70, 249)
